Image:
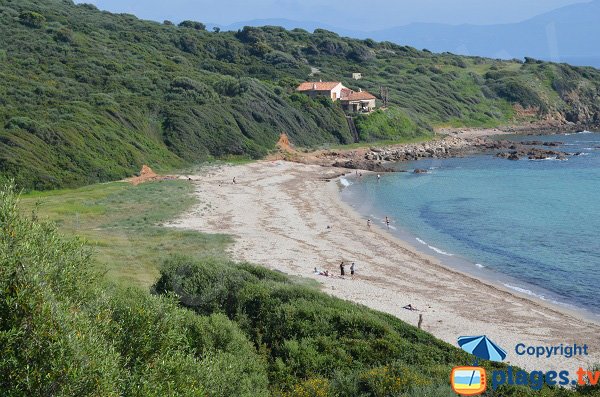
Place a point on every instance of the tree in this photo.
(217, 29)
(193, 25)
(32, 19)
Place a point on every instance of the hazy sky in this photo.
(351, 14)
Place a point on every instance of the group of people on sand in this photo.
(343, 269)
(326, 273)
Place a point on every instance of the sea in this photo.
(531, 226)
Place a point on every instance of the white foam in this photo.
(345, 182)
(549, 159)
(431, 247)
(585, 132)
(525, 291)
(479, 265)
(439, 251)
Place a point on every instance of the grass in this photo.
(123, 223)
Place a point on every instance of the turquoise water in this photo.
(530, 225)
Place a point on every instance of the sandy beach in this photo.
(289, 217)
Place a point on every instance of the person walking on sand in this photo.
(352, 269)
(387, 222)
(234, 182)
(369, 224)
(342, 269)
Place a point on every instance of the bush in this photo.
(193, 25)
(390, 124)
(32, 19)
(63, 332)
(49, 346)
(64, 35)
(518, 92)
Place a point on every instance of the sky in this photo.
(364, 15)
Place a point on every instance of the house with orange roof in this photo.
(357, 101)
(352, 101)
(332, 89)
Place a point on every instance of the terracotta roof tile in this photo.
(320, 85)
(357, 96)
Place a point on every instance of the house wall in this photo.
(371, 104)
(336, 93)
(352, 106)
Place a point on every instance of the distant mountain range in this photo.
(568, 34)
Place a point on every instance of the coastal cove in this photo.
(290, 217)
(532, 231)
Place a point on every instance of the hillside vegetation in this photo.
(89, 96)
(210, 328)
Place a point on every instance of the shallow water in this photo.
(530, 225)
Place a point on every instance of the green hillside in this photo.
(89, 96)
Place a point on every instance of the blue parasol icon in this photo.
(482, 347)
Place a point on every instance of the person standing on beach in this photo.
(342, 269)
(234, 180)
(352, 269)
(387, 222)
(369, 224)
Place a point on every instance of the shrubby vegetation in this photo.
(317, 345)
(88, 96)
(383, 125)
(64, 332)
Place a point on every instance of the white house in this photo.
(352, 101)
(332, 89)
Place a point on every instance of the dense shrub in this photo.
(64, 35)
(193, 25)
(316, 345)
(518, 92)
(390, 124)
(63, 332)
(32, 19)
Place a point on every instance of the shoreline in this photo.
(461, 265)
(453, 142)
(279, 212)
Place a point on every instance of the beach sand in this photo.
(279, 213)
